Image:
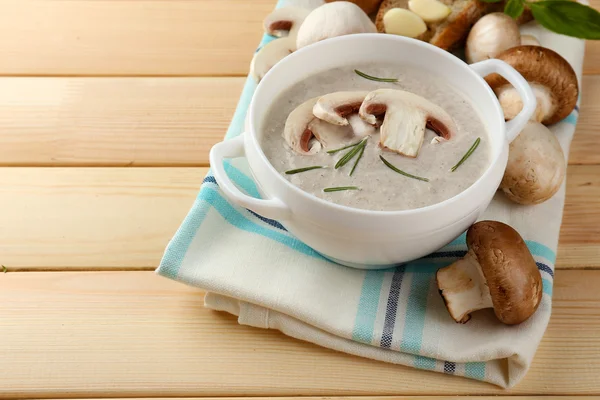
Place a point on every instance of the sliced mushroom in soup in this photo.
(421, 125)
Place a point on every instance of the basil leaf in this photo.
(567, 18)
(514, 8)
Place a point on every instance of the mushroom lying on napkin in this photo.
(498, 272)
(283, 23)
(536, 166)
(551, 77)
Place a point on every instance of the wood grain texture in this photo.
(105, 334)
(113, 121)
(141, 37)
(122, 218)
(367, 398)
(155, 121)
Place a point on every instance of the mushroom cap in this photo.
(335, 107)
(269, 55)
(283, 20)
(301, 126)
(406, 117)
(547, 68)
(368, 6)
(536, 166)
(490, 36)
(511, 273)
(331, 20)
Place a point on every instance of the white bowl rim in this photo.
(460, 197)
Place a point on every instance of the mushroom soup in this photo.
(408, 136)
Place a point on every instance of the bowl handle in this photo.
(272, 208)
(516, 125)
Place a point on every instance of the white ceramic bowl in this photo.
(362, 238)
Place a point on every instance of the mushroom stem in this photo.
(511, 102)
(463, 288)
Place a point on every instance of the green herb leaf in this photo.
(467, 154)
(358, 159)
(349, 155)
(340, 188)
(568, 18)
(374, 78)
(390, 166)
(514, 8)
(343, 148)
(297, 171)
(4, 269)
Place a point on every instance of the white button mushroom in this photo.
(552, 78)
(306, 134)
(406, 117)
(497, 272)
(335, 107)
(285, 21)
(333, 19)
(490, 36)
(281, 22)
(368, 6)
(536, 166)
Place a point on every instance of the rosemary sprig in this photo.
(297, 171)
(349, 155)
(4, 269)
(390, 166)
(343, 148)
(340, 188)
(374, 78)
(467, 154)
(358, 159)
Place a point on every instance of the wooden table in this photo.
(107, 111)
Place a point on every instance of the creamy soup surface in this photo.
(381, 188)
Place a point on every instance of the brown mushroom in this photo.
(551, 77)
(406, 117)
(497, 272)
(536, 166)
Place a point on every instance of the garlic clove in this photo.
(429, 10)
(399, 21)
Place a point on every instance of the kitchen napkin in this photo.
(253, 268)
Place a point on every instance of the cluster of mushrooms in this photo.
(312, 126)
(536, 167)
(498, 270)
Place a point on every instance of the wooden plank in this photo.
(106, 334)
(154, 121)
(368, 398)
(587, 134)
(591, 64)
(113, 121)
(142, 37)
(115, 218)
